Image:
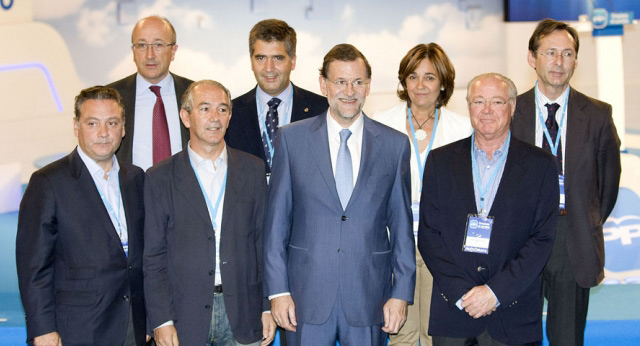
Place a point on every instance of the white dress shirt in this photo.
(541, 100)
(142, 151)
(109, 190)
(284, 108)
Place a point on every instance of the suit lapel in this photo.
(251, 126)
(318, 141)
(525, 126)
(188, 186)
(369, 146)
(576, 128)
(129, 99)
(180, 85)
(235, 184)
(463, 176)
(91, 199)
(299, 108)
(128, 193)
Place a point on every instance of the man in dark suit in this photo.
(579, 130)
(152, 96)
(203, 256)
(488, 215)
(339, 251)
(275, 102)
(79, 243)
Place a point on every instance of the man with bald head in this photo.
(488, 215)
(152, 96)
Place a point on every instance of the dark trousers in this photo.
(130, 336)
(483, 339)
(567, 301)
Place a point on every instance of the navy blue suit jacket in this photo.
(315, 250)
(525, 212)
(244, 130)
(180, 253)
(73, 273)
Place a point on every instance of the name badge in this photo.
(478, 234)
(125, 246)
(415, 209)
(562, 196)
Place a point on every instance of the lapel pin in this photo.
(306, 110)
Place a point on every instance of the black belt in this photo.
(217, 289)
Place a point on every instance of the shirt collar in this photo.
(284, 96)
(543, 99)
(199, 161)
(94, 168)
(334, 128)
(498, 151)
(165, 84)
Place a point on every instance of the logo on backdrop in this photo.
(6, 4)
(622, 239)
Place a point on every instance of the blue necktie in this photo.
(344, 170)
(271, 123)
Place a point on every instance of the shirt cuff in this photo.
(168, 323)
(271, 297)
(494, 296)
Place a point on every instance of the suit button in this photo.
(338, 250)
(207, 306)
(130, 267)
(126, 298)
(211, 239)
(480, 268)
(211, 272)
(344, 218)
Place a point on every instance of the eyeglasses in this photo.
(552, 54)
(158, 47)
(493, 103)
(341, 84)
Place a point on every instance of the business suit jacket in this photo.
(179, 257)
(244, 129)
(73, 274)
(127, 88)
(525, 212)
(592, 176)
(315, 250)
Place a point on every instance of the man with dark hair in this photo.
(152, 96)
(275, 101)
(203, 231)
(79, 242)
(580, 132)
(339, 251)
(487, 220)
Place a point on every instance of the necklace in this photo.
(420, 133)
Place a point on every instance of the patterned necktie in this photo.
(552, 127)
(159, 129)
(271, 126)
(344, 170)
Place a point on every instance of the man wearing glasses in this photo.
(580, 132)
(487, 220)
(152, 96)
(339, 251)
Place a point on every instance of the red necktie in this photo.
(160, 129)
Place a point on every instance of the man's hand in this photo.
(479, 302)
(166, 336)
(268, 329)
(49, 339)
(395, 314)
(283, 312)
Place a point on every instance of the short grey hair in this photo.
(513, 91)
(187, 98)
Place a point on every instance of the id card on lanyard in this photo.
(479, 226)
(124, 239)
(555, 144)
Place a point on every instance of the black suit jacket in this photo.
(525, 212)
(74, 276)
(244, 130)
(592, 176)
(127, 88)
(179, 256)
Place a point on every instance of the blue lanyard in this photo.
(213, 211)
(415, 142)
(110, 208)
(554, 145)
(476, 174)
(262, 119)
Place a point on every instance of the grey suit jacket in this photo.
(127, 88)
(315, 250)
(592, 176)
(179, 255)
